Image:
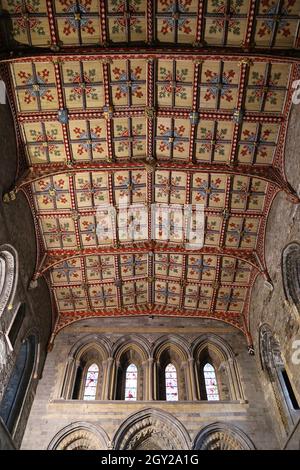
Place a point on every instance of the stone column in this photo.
(69, 378)
(109, 379)
(234, 386)
(113, 379)
(187, 381)
(150, 379)
(104, 380)
(143, 394)
(154, 380)
(192, 372)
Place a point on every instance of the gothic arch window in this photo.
(278, 378)
(171, 383)
(16, 389)
(210, 381)
(171, 366)
(89, 375)
(213, 380)
(91, 382)
(291, 273)
(131, 381)
(216, 370)
(130, 374)
(89, 350)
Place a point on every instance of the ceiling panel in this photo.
(113, 136)
(234, 23)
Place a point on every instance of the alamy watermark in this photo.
(162, 222)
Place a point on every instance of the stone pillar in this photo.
(185, 366)
(154, 380)
(234, 385)
(143, 394)
(192, 372)
(69, 378)
(149, 395)
(112, 379)
(109, 379)
(104, 380)
(186, 383)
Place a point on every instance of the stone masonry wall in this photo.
(271, 307)
(49, 414)
(17, 230)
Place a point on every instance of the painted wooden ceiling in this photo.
(181, 125)
(266, 23)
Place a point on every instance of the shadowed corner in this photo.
(8, 42)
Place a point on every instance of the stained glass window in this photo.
(171, 383)
(131, 382)
(210, 382)
(91, 381)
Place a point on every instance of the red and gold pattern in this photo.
(151, 127)
(235, 23)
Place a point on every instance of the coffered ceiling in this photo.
(180, 124)
(265, 24)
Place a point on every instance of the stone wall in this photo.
(50, 414)
(271, 307)
(17, 230)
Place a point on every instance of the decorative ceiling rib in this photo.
(227, 23)
(158, 127)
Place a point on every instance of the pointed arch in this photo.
(171, 349)
(178, 342)
(225, 350)
(213, 350)
(139, 343)
(80, 435)
(151, 429)
(222, 436)
(101, 341)
(89, 373)
(130, 351)
(92, 349)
